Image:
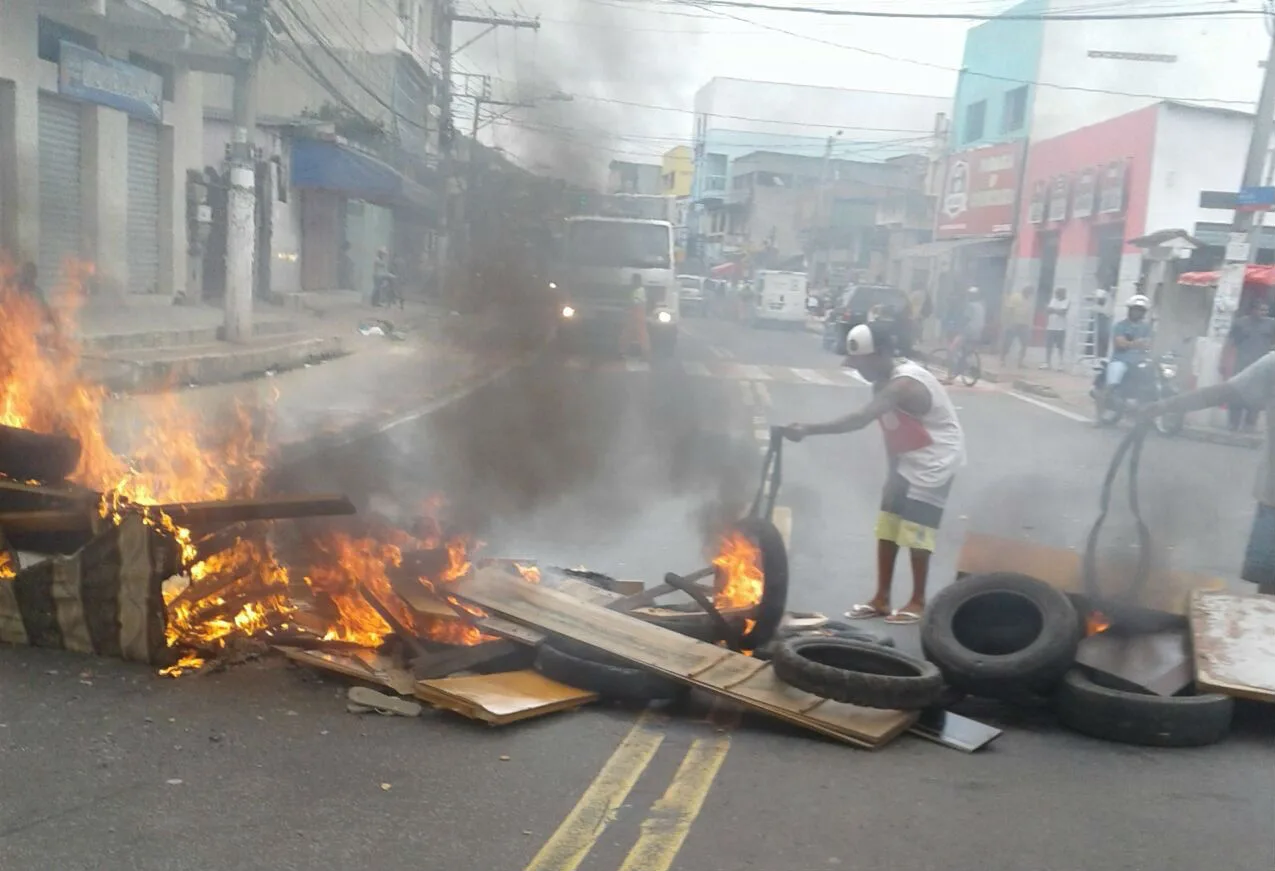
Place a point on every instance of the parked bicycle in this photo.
(958, 361)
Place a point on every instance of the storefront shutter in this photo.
(143, 207)
(60, 206)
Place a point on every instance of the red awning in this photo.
(725, 270)
(1263, 276)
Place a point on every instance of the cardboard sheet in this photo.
(1234, 640)
(502, 698)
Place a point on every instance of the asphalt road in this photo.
(587, 462)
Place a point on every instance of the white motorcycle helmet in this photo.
(1138, 301)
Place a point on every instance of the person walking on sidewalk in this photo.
(925, 446)
(1017, 325)
(1252, 336)
(1056, 328)
(1253, 387)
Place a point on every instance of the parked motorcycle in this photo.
(1147, 381)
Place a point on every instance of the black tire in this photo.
(858, 673)
(1141, 718)
(1001, 635)
(584, 668)
(774, 595)
(829, 630)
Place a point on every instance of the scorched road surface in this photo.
(615, 466)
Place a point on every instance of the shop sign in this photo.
(86, 75)
(1040, 193)
(1058, 199)
(1086, 188)
(1111, 188)
(980, 193)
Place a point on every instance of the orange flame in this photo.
(1096, 622)
(740, 578)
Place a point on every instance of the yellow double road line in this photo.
(670, 819)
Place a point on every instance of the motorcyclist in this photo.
(1131, 340)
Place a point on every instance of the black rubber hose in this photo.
(1131, 447)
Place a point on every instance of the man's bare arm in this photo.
(901, 393)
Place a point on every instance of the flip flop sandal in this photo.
(865, 612)
(903, 618)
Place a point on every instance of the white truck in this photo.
(608, 262)
(779, 297)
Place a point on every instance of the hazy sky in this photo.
(613, 54)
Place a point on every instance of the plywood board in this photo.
(361, 665)
(1234, 639)
(502, 698)
(1062, 568)
(714, 669)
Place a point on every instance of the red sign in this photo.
(980, 191)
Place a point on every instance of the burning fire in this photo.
(740, 578)
(1096, 622)
(243, 590)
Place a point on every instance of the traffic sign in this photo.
(1255, 199)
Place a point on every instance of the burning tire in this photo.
(1144, 719)
(774, 567)
(584, 668)
(857, 672)
(1001, 635)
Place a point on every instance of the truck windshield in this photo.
(619, 243)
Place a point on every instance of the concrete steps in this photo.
(147, 368)
(107, 343)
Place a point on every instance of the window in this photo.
(1014, 113)
(620, 243)
(975, 115)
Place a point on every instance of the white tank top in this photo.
(927, 450)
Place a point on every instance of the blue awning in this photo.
(330, 166)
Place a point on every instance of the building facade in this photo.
(628, 177)
(100, 123)
(737, 117)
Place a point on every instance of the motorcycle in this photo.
(1146, 381)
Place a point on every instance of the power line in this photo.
(988, 76)
(967, 16)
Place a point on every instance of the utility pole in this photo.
(823, 211)
(248, 24)
(1242, 244)
(453, 220)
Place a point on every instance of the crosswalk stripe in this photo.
(753, 373)
(812, 376)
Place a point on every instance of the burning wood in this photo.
(740, 580)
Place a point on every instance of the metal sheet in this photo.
(61, 210)
(143, 207)
(1159, 662)
(1234, 637)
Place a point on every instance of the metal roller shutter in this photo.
(60, 208)
(143, 207)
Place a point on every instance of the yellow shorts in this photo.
(910, 515)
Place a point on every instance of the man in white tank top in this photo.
(926, 446)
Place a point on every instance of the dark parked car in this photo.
(854, 307)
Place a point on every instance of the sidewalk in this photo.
(1069, 390)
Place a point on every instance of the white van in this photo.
(780, 297)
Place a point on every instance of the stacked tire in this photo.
(1009, 636)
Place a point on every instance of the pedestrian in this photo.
(382, 275)
(635, 331)
(924, 445)
(1056, 328)
(1102, 322)
(1252, 336)
(972, 322)
(1017, 319)
(1254, 387)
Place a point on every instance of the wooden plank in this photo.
(1234, 640)
(502, 698)
(26, 455)
(227, 511)
(364, 665)
(721, 672)
(561, 614)
(1062, 568)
